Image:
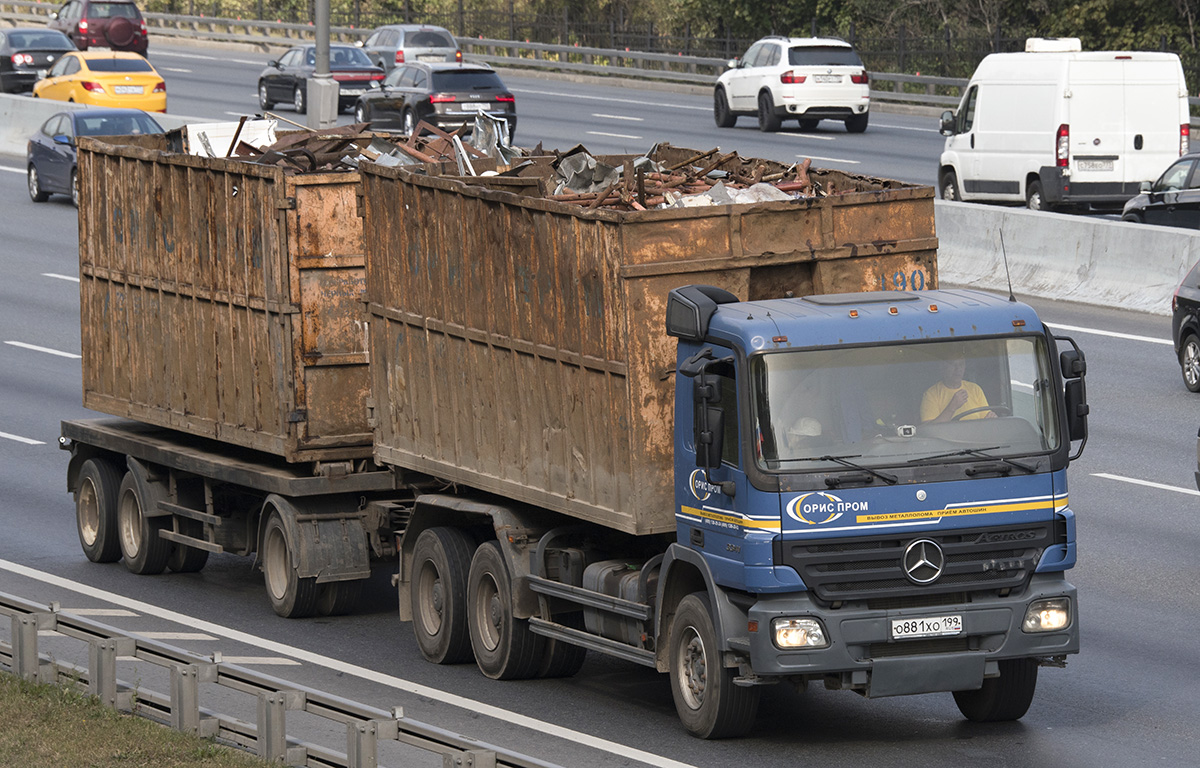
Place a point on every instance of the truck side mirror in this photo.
(1077, 410)
(1072, 363)
(948, 127)
(710, 441)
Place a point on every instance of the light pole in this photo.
(322, 88)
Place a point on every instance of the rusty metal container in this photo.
(222, 299)
(518, 345)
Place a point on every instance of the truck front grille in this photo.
(871, 568)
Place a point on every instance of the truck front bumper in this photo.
(862, 655)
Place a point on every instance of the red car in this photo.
(115, 24)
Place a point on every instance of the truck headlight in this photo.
(799, 633)
(1047, 615)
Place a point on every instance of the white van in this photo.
(1056, 126)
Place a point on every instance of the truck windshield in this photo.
(956, 400)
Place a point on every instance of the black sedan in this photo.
(26, 54)
(286, 80)
(1173, 200)
(446, 95)
(50, 153)
(1185, 327)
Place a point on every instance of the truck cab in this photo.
(861, 524)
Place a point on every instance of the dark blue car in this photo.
(50, 155)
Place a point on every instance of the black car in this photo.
(1173, 200)
(50, 153)
(26, 55)
(446, 95)
(286, 80)
(1185, 327)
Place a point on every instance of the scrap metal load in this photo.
(517, 341)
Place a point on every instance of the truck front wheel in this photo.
(291, 596)
(1006, 697)
(710, 706)
(96, 511)
(505, 648)
(438, 592)
(145, 552)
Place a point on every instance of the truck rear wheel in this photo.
(145, 552)
(291, 596)
(438, 591)
(710, 706)
(505, 648)
(1001, 698)
(185, 559)
(96, 510)
(338, 598)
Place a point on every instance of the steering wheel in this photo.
(999, 410)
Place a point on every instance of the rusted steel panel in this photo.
(517, 342)
(222, 299)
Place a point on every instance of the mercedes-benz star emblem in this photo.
(924, 561)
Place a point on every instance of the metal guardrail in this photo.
(268, 738)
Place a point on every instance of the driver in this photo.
(951, 395)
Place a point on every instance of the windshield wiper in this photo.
(884, 476)
(981, 453)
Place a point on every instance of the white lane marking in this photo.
(99, 611)
(12, 170)
(336, 665)
(812, 136)
(172, 635)
(905, 128)
(1147, 483)
(175, 69)
(57, 276)
(603, 116)
(1111, 334)
(248, 661)
(831, 159)
(610, 99)
(47, 350)
(177, 55)
(19, 439)
(612, 135)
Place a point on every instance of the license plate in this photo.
(1094, 165)
(926, 626)
(431, 57)
(127, 89)
(827, 78)
(353, 91)
(476, 107)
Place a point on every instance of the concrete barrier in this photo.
(22, 116)
(1058, 256)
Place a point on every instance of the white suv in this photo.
(807, 78)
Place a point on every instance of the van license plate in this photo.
(1094, 165)
(827, 78)
(926, 626)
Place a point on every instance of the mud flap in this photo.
(926, 674)
(324, 542)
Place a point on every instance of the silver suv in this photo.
(806, 78)
(405, 43)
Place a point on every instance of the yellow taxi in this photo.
(105, 79)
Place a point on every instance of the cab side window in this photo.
(966, 115)
(726, 380)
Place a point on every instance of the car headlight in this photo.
(799, 633)
(1047, 615)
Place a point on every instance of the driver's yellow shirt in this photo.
(938, 396)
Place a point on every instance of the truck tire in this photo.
(563, 659)
(709, 705)
(505, 648)
(438, 591)
(145, 552)
(185, 559)
(338, 598)
(768, 121)
(291, 596)
(1001, 698)
(96, 497)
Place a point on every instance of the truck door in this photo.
(960, 147)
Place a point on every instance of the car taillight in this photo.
(144, 30)
(88, 85)
(439, 98)
(83, 26)
(508, 97)
(862, 78)
(1185, 135)
(161, 87)
(377, 76)
(458, 56)
(399, 57)
(1062, 146)
(791, 78)
(21, 58)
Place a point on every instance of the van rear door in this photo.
(1155, 109)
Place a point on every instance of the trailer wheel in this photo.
(291, 596)
(505, 648)
(96, 511)
(709, 705)
(438, 591)
(1001, 698)
(185, 559)
(145, 552)
(563, 659)
(338, 598)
